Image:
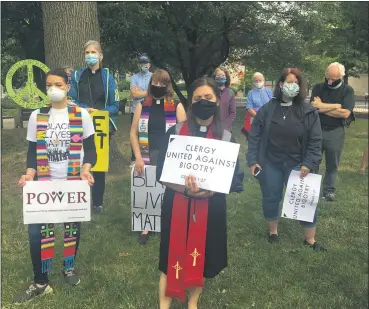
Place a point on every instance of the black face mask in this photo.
(158, 92)
(334, 84)
(204, 109)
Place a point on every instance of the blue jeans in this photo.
(272, 181)
(34, 235)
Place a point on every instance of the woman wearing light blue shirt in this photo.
(258, 96)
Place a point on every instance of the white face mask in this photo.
(55, 94)
(259, 85)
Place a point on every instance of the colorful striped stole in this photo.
(43, 173)
(143, 124)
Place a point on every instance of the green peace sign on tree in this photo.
(30, 89)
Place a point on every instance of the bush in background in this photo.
(8, 103)
(123, 85)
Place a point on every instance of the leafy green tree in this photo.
(194, 38)
(21, 38)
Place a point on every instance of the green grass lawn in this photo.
(117, 273)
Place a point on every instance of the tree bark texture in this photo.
(67, 27)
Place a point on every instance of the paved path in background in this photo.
(9, 124)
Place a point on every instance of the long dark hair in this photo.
(191, 118)
(300, 98)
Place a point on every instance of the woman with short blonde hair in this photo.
(94, 88)
(256, 98)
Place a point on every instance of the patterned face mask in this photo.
(220, 80)
(290, 90)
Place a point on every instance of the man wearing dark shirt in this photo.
(335, 101)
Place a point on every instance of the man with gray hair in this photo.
(335, 102)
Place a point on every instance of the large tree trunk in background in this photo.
(67, 27)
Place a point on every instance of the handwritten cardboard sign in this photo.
(146, 200)
(100, 120)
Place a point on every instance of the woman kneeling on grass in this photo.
(50, 134)
(285, 135)
(201, 249)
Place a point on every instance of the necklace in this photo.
(285, 114)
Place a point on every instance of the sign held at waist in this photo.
(301, 197)
(211, 161)
(56, 201)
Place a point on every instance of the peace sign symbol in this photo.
(30, 89)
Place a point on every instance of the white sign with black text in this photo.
(301, 197)
(211, 161)
(146, 200)
(56, 201)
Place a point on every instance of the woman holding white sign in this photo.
(193, 242)
(285, 135)
(61, 147)
(151, 120)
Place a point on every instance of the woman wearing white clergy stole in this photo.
(193, 242)
(151, 120)
(61, 143)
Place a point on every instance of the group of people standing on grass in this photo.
(284, 133)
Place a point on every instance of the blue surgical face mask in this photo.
(220, 80)
(145, 68)
(91, 59)
(290, 90)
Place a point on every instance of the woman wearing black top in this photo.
(203, 121)
(151, 120)
(285, 135)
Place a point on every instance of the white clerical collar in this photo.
(203, 129)
(286, 103)
(158, 102)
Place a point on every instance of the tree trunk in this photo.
(67, 27)
(181, 97)
(345, 78)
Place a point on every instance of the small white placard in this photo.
(301, 197)
(211, 161)
(56, 201)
